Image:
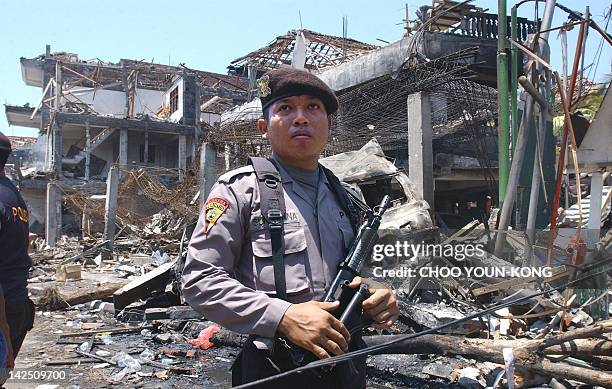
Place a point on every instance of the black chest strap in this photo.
(272, 204)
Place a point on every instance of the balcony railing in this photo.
(486, 26)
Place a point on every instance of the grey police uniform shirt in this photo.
(228, 275)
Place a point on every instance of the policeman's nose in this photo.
(300, 118)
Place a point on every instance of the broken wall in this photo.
(178, 114)
(113, 103)
(36, 201)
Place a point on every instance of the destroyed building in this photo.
(419, 121)
(141, 115)
(94, 114)
(445, 68)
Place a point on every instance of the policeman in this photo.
(14, 259)
(229, 271)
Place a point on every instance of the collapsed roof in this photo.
(96, 73)
(322, 51)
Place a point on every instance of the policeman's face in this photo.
(297, 128)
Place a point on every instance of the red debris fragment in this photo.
(203, 340)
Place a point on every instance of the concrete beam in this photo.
(420, 148)
(119, 123)
(368, 66)
(110, 208)
(208, 171)
(54, 214)
(143, 286)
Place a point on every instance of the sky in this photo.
(208, 35)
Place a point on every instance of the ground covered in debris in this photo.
(99, 351)
(115, 318)
(110, 313)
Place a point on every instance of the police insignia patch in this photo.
(264, 87)
(213, 209)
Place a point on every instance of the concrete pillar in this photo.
(87, 150)
(126, 90)
(54, 214)
(45, 116)
(110, 209)
(85, 222)
(49, 151)
(594, 224)
(57, 149)
(226, 154)
(420, 149)
(123, 150)
(146, 147)
(208, 171)
(58, 83)
(594, 288)
(182, 156)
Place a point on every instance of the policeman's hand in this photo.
(381, 306)
(311, 326)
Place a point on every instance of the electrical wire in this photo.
(383, 346)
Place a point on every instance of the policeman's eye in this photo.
(314, 106)
(284, 107)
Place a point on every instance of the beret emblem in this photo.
(264, 87)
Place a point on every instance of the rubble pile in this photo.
(117, 316)
(116, 312)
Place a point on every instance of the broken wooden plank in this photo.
(143, 286)
(464, 230)
(433, 315)
(556, 273)
(111, 331)
(529, 354)
(64, 362)
(95, 247)
(51, 299)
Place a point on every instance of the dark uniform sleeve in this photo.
(208, 280)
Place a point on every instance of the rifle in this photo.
(350, 312)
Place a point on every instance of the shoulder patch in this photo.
(227, 176)
(213, 209)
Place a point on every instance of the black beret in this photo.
(285, 82)
(5, 144)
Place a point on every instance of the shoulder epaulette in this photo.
(227, 176)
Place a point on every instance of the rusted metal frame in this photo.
(531, 89)
(81, 101)
(560, 164)
(132, 80)
(566, 25)
(321, 55)
(42, 101)
(562, 96)
(79, 74)
(568, 128)
(603, 33)
(70, 85)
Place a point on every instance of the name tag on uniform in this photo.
(291, 216)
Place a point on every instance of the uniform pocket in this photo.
(295, 258)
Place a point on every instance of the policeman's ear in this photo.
(329, 123)
(262, 126)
